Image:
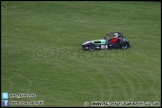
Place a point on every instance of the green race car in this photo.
(106, 43)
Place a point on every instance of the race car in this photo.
(105, 43)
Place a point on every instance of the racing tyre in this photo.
(124, 45)
(92, 47)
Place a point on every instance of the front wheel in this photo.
(92, 47)
(124, 45)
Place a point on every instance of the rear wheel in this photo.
(92, 47)
(124, 45)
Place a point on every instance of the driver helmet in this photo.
(116, 35)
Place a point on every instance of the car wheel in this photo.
(124, 45)
(92, 47)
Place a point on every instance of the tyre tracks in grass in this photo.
(99, 70)
(133, 74)
(99, 86)
(102, 72)
(144, 79)
(19, 77)
(128, 77)
(30, 87)
(124, 76)
(79, 59)
(149, 66)
(59, 59)
(130, 83)
(146, 69)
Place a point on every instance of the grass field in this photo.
(42, 54)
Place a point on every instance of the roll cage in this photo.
(110, 35)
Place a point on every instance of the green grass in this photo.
(42, 54)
